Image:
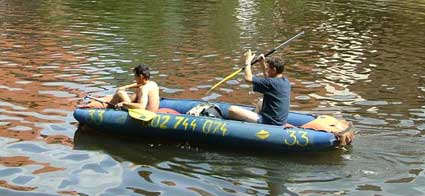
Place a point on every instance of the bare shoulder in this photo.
(153, 89)
(153, 84)
(150, 86)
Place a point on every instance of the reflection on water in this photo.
(153, 166)
(361, 60)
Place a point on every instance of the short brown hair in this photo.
(142, 69)
(277, 63)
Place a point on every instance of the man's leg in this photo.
(239, 113)
(120, 96)
(96, 104)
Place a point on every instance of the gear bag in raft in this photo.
(206, 109)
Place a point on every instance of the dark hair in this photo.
(142, 69)
(277, 63)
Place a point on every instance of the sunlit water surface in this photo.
(360, 60)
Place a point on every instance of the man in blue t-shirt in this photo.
(276, 91)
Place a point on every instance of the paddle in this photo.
(141, 114)
(136, 113)
(255, 61)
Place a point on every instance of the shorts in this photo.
(259, 119)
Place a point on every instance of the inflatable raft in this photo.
(305, 132)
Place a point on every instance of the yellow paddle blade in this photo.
(141, 114)
(225, 79)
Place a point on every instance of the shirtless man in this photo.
(146, 95)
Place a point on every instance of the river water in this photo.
(360, 60)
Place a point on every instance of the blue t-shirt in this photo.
(276, 99)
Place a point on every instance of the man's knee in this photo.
(121, 93)
(234, 110)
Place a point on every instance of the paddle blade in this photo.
(141, 114)
(225, 79)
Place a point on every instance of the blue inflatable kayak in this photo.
(305, 133)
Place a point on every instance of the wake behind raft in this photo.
(306, 132)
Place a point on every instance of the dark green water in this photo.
(360, 60)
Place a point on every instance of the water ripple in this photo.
(361, 60)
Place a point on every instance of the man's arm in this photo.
(263, 64)
(144, 98)
(134, 85)
(143, 94)
(248, 72)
